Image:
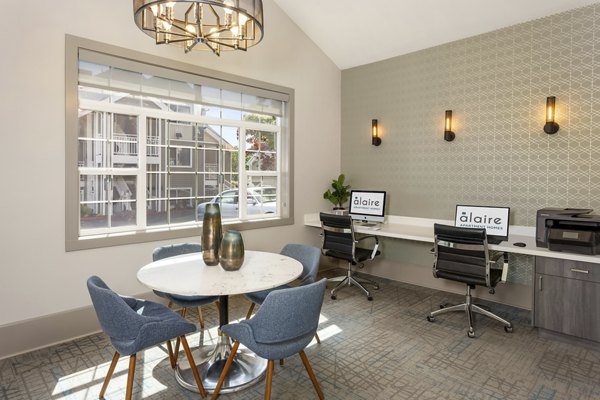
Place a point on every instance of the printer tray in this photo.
(574, 241)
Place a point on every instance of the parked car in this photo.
(260, 200)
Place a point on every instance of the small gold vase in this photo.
(211, 234)
(232, 251)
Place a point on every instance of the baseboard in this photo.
(37, 333)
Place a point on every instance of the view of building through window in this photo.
(152, 151)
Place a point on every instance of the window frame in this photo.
(73, 242)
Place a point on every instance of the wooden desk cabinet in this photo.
(567, 297)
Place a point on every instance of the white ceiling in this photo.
(355, 32)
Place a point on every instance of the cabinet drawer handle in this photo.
(540, 284)
(581, 271)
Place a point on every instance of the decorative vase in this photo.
(211, 234)
(232, 251)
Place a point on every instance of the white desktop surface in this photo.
(187, 274)
(421, 230)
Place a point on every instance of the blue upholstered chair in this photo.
(307, 255)
(284, 325)
(133, 325)
(184, 302)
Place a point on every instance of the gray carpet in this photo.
(384, 349)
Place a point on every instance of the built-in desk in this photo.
(421, 230)
(566, 286)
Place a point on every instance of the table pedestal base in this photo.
(247, 368)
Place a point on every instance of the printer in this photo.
(568, 229)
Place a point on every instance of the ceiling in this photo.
(353, 32)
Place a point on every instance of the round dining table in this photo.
(188, 275)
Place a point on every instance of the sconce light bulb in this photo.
(551, 126)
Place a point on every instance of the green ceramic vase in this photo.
(232, 251)
(211, 234)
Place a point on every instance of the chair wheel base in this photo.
(430, 318)
(508, 329)
(370, 298)
(333, 297)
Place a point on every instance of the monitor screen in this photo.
(495, 220)
(367, 205)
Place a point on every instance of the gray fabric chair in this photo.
(184, 302)
(309, 256)
(284, 325)
(133, 325)
(462, 255)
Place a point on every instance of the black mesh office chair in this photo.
(462, 255)
(339, 241)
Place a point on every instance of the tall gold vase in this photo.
(211, 234)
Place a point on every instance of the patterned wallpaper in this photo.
(496, 84)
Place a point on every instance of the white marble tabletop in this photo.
(188, 275)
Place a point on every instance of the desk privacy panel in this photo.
(496, 84)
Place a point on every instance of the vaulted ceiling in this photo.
(354, 32)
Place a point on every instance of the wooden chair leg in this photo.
(188, 353)
(130, 375)
(270, 367)
(313, 378)
(176, 352)
(218, 306)
(228, 363)
(317, 338)
(111, 369)
(249, 313)
(170, 305)
(200, 318)
(183, 312)
(172, 360)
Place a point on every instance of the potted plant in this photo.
(339, 193)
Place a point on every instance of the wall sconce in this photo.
(375, 139)
(448, 134)
(551, 127)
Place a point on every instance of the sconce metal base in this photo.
(551, 128)
(449, 136)
(376, 141)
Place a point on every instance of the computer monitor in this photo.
(495, 220)
(367, 205)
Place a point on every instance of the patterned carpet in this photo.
(384, 349)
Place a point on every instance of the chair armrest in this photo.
(375, 238)
(495, 258)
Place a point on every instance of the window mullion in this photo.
(242, 179)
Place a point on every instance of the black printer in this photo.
(568, 229)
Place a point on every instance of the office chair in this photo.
(462, 255)
(184, 302)
(134, 325)
(339, 241)
(283, 325)
(309, 257)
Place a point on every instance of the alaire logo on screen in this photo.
(475, 220)
(366, 203)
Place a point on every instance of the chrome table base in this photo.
(247, 368)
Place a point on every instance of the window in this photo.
(151, 142)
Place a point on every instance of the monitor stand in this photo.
(494, 240)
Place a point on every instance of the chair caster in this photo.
(508, 329)
(370, 298)
(430, 318)
(333, 297)
(442, 306)
(471, 333)
(376, 287)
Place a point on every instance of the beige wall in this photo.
(496, 84)
(37, 277)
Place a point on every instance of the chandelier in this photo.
(218, 25)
